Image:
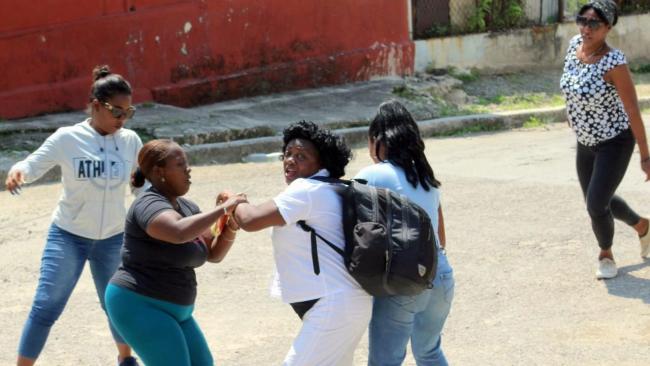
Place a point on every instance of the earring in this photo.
(162, 179)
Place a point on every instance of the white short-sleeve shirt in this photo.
(320, 206)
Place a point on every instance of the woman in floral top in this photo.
(603, 111)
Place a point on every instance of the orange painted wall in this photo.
(190, 52)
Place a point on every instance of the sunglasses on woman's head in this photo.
(591, 23)
(118, 112)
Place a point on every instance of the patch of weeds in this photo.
(406, 92)
(479, 127)
(147, 105)
(403, 91)
(533, 122)
(452, 110)
(574, 5)
(641, 69)
(464, 76)
(496, 99)
(436, 30)
(641, 80)
(144, 134)
(522, 101)
(475, 109)
(447, 109)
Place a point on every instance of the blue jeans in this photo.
(420, 318)
(161, 333)
(63, 260)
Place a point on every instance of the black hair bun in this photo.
(100, 72)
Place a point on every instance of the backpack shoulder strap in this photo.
(330, 180)
(314, 247)
(347, 182)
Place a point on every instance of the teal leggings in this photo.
(161, 333)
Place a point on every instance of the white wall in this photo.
(527, 48)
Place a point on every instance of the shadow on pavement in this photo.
(626, 284)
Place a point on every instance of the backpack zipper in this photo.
(375, 205)
(389, 248)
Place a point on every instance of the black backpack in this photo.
(390, 247)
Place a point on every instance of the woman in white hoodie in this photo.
(96, 157)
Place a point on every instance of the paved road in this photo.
(519, 240)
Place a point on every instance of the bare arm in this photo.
(171, 227)
(441, 229)
(257, 217)
(622, 79)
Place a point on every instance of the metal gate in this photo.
(427, 15)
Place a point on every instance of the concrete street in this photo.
(519, 240)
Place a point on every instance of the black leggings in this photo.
(600, 170)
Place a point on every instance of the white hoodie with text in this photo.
(95, 172)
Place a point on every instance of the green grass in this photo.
(144, 134)
(446, 109)
(521, 101)
(147, 105)
(465, 77)
(641, 69)
(533, 122)
(403, 91)
(449, 110)
(472, 129)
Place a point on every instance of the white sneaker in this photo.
(645, 244)
(606, 269)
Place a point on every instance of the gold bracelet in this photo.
(214, 230)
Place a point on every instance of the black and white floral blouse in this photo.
(594, 108)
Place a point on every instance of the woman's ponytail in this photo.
(137, 178)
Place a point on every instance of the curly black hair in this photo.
(333, 153)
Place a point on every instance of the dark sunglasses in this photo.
(118, 112)
(591, 23)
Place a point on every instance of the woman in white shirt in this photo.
(96, 157)
(334, 309)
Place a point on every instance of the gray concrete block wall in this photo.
(526, 48)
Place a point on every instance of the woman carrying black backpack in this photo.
(400, 165)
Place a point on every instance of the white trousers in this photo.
(331, 330)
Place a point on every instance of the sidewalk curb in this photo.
(235, 151)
